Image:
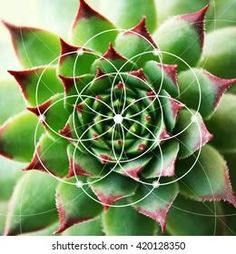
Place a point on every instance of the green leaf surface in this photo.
(223, 123)
(32, 205)
(126, 221)
(9, 92)
(126, 14)
(3, 215)
(18, 132)
(50, 156)
(187, 217)
(87, 228)
(34, 47)
(87, 25)
(156, 202)
(112, 188)
(209, 178)
(74, 205)
(38, 84)
(192, 132)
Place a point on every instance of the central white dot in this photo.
(118, 119)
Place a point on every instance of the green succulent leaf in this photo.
(32, 205)
(74, 205)
(88, 24)
(223, 123)
(188, 217)
(8, 109)
(46, 157)
(163, 74)
(74, 60)
(3, 215)
(87, 228)
(34, 47)
(126, 14)
(157, 201)
(112, 188)
(143, 45)
(209, 178)
(19, 131)
(163, 163)
(191, 132)
(182, 36)
(200, 88)
(79, 163)
(121, 221)
(38, 84)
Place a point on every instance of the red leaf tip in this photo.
(112, 54)
(170, 70)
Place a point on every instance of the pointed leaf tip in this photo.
(66, 47)
(139, 74)
(40, 110)
(112, 54)
(197, 20)
(141, 29)
(171, 70)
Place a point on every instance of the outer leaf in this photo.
(32, 206)
(34, 46)
(18, 132)
(126, 14)
(215, 50)
(194, 133)
(88, 23)
(157, 204)
(206, 85)
(9, 174)
(126, 221)
(209, 178)
(182, 36)
(112, 188)
(38, 84)
(75, 61)
(46, 157)
(79, 163)
(3, 212)
(187, 217)
(9, 87)
(74, 206)
(223, 123)
(43, 232)
(141, 41)
(52, 113)
(87, 228)
(163, 164)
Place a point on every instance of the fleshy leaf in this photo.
(215, 49)
(157, 204)
(112, 188)
(121, 221)
(74, 205)
(133, 168)
(223, 124)
(34, 46)
(87, 228)
(188, 217)
(89, 23)
(163, 74)
(163, 164)
(52, 113)
(182, 36)
(46, 157)
(204, 88)
(75, 61)
(78, 163)
(3, 215)
(38, 84)
(18, 132)
(142, 43)
(9, 92)
(194, 133)
(126, 14)
(208, 180)
(32, 206)
(112, 61)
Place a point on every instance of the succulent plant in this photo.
(114, 137)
